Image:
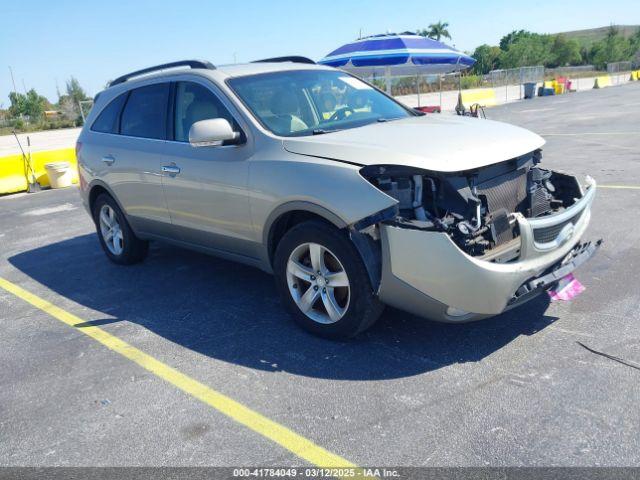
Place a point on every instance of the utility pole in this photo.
(12, 79)
(24, 87)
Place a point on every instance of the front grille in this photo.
(549, 234)
(506, 191)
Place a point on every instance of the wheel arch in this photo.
(289, 214)
(285, 217)
(98, 187)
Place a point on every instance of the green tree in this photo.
(532, 49)
(31, 105)
(564, 52)
(513, 37)
(436, 31)
(18, 101)
(487, 58)
(635, 41)
(69, 103)
(613, 48)
(75, 91)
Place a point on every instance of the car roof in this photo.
(219, 73)
(242, 69)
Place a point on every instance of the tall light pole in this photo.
(12, 79)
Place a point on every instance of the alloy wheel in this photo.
(111, 230)
(318, 283)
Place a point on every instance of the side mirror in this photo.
(211, 132)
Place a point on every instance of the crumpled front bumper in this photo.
(426, 273)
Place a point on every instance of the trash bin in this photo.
(59, 174)
(530, 89)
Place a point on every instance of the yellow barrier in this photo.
(602, 81)
(13, 176)
(485, 97)
(634, 75)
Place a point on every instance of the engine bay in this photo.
(476, 208)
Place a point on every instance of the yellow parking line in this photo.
(295, 443)
(622, 187)
(579, 134)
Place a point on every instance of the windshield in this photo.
(308, 102)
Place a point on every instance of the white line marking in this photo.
(621, 187)
(586, 133)
(537, 110)
(65, 207)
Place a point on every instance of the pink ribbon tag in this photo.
(568, 288)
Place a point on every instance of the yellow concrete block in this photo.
(602, 81)
(634, 75)
(485, 97)
(13, 176)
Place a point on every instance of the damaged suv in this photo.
(351, 199)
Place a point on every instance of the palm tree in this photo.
(436, 31)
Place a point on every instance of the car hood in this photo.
(433, 142)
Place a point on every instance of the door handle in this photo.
(171, 169)
(109, 159)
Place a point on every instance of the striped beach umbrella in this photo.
(397, 54)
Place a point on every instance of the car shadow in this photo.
(231, 312)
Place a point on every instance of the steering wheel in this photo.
(341, 113)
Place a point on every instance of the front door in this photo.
(206, 187)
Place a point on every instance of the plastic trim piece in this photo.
(292, 58)
(181, 63)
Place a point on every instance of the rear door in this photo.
(206, 187)
(132, 159)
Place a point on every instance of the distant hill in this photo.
(588, 36)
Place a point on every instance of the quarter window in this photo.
(195, 102)
(107, 121)
(145, 114)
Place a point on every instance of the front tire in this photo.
(117, 239)
(323, 281)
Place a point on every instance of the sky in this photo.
(45, 42)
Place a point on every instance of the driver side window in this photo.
(195, 102)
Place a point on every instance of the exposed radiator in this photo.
(506, 191)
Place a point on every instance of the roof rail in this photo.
(164, 66)
(293, 58)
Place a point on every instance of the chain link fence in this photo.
(514, 76)
(442, 90)
(619, 67)
(619, 71)
(572, 72)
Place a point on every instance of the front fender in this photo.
(333, 190)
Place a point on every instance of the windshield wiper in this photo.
(322, 131)
(385, 119)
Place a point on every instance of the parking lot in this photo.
(213, 372)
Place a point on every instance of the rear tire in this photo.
(319, 270)
(117, 239)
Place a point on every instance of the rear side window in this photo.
(107, 121)
(145, 114)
